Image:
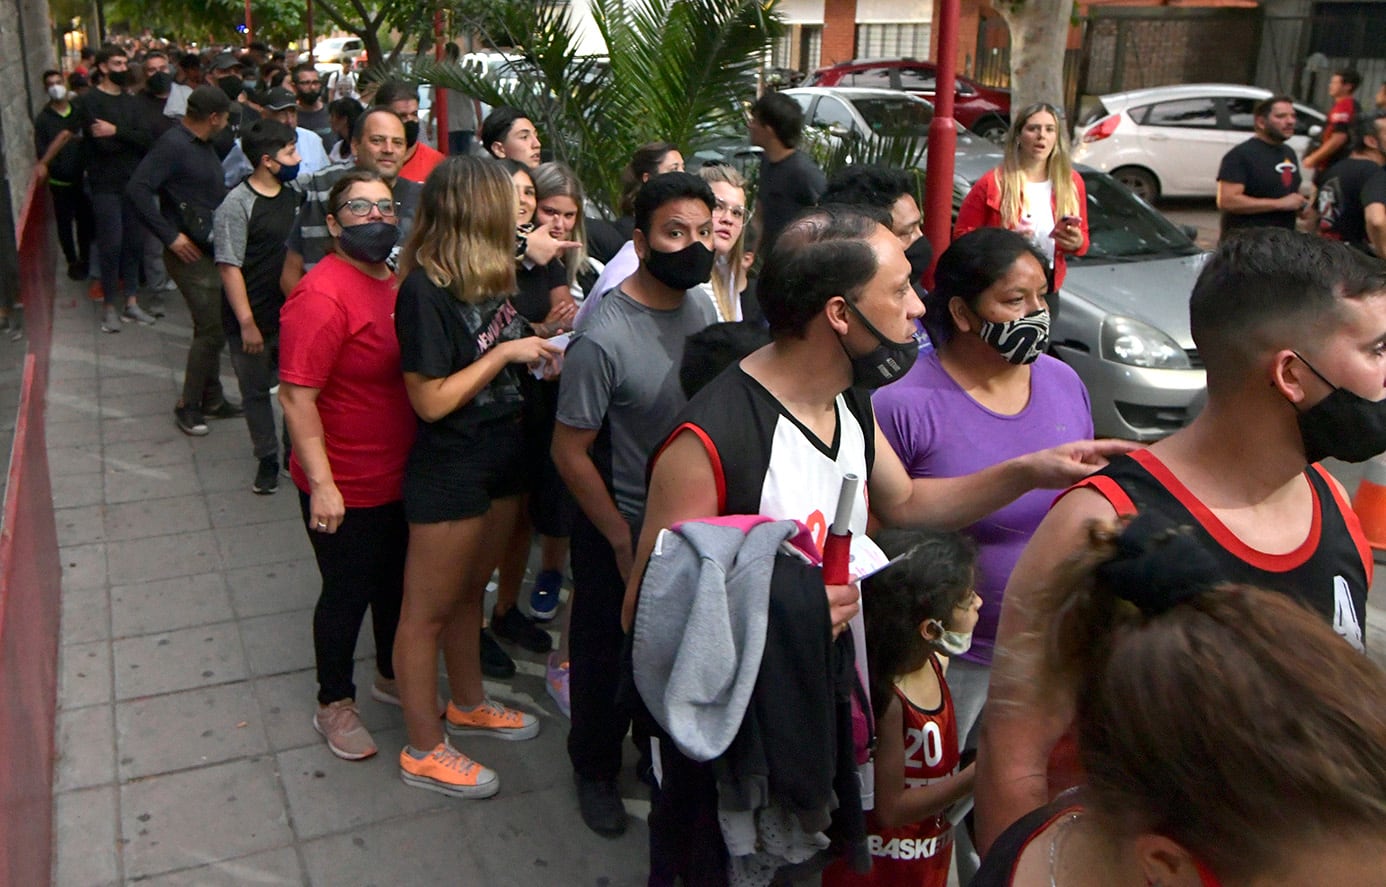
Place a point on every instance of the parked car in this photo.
(342, 50)
(834, 114)
(982, 109)
(1167, 141)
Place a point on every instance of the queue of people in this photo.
(445, 399)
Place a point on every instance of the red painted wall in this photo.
(839, 31)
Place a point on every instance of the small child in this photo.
(918, 611)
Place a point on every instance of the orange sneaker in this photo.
(490, 718)
(448, 771)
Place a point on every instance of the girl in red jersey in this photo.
(918, 611)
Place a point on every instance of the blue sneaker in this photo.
(543, 598)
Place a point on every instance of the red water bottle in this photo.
(837, 548)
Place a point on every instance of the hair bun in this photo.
(1158, 564)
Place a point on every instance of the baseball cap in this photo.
(225, 61)
(278, 99)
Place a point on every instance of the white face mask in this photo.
(952, 643)
(57, 92)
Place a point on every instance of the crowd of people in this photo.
(695, 405)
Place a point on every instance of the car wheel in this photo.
(993, 129)
(1138, 181)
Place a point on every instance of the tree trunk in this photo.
(1039, 35)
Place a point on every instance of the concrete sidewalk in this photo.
(186, 752)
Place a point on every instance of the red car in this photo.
(982, 109)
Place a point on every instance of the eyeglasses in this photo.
(361, 207)
(721, 208)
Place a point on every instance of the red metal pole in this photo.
(440, 95)
(249, 28)
(943, 136)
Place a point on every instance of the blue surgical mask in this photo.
(287, 172)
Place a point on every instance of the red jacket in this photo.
(982, 209)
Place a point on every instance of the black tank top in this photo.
(1329, 572)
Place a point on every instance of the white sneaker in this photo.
(110, 320)
(136, 314)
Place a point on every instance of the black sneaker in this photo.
(602, 809)
(190, 421)
(495, 662)
(227, 409)
(519, 629)
(266, 477)
(76, 271)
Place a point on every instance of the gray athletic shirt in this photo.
(621, 378)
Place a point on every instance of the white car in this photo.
(1168, 141)
(338, 49)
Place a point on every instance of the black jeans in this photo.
(120, 238)
(72, 208)
(595, 638)
(362, 564)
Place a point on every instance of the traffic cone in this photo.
(1370, 503)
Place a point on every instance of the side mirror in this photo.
(1190, 231)
(838, 130)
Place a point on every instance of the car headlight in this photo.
(1128, 341)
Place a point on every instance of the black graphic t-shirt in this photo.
(1265, 170)
(1342, 210)
(439, 334)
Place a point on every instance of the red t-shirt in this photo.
(1339, 118)
(918, 854)
(337, 334)
(422, 163)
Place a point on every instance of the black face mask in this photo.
(369, 242)
(887, 362)
(309, 96)
(232, 86)
(159, 84)
(681, 270)
(1343, 425)
(119, 78)
(411, 133)
(920, 255)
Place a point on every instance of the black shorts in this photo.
(461, 481)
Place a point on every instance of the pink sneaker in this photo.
(556, 680)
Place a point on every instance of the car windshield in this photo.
(892, 116)
(1122, 227)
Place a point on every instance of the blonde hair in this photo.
(464, 230)
(721, 293)
(1059, 169)
(557, 180)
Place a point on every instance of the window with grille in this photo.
(897, 40)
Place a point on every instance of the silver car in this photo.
(1123, 318)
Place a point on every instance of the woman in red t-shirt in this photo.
(349, 419)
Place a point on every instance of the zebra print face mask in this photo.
(1020, 341)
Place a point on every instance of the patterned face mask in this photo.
(1019, 341)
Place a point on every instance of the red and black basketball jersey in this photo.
(766, 462)
(918, 854)
(1329, 572)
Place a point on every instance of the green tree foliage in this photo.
(676, 70)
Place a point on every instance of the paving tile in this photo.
(317, 782)
(79, 525)
(568, 853)
(288, 701)
(84, 674)
(86, 616)
(160, 734)
(155, 452)
(180, 820)
(62, 409)
(133, 483)
(272, 868)
(264, 543)
(177, 660)
(157, 379)
(83, 432)
(68, 458)
(78, 489)
(130, 343)
(87, 846)
(156, 517)
(420, 849)
(62, 369)
(229, 439)
(169, 604)
(236, 508)
(86, 748)
(161, 557)
(234, 473)
(278, 643)
(115, 430)
(84, 566)
(274, 588)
